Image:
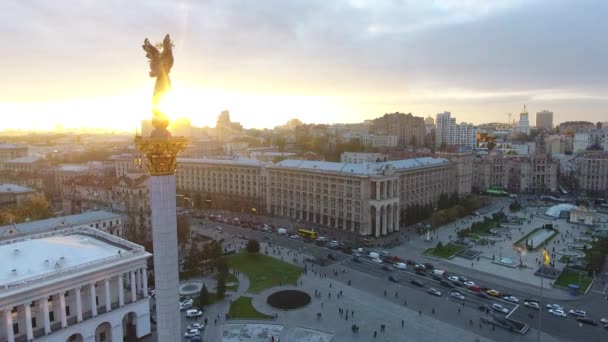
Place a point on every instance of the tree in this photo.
(253, 246)
(203, 296)
(439, 245)
(220, 288)
(183, 229)
(33, 209)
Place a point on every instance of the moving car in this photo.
(434, 292)
(586, 320)
(295, 237)
(356, 259)
(457, 295)
(387, 268)
(557, 312)
(603, 320)
(400, 266)
(417, 283)
(483, 295)
(453, 278)
(468, 283)
(392, 279)
(192, 333)
(493, 293)
(579, 313)
(446, 284)
(511, 299)
(500, 308)
(554, 307)
(199, 326)
(331, 256)
(377, 261)
(532, 305)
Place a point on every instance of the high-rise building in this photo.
(405, 126)
(590, 170)
(523, 126)
(544, 120)
(450, 133)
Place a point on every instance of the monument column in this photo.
(160, 153)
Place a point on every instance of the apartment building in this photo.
(591, 172)
(450, 133)
(404, 126)
(9, 152)
(222, 183)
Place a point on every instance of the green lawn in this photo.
(242, 309)
(264, 271)
(444, 252)
(568, 277)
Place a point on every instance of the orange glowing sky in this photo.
(80, 63)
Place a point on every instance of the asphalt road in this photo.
(446, 308)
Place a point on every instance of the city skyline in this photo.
(80, 65)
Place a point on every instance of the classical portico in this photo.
(384, 205)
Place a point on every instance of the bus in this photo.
(368, 241)
(496, 191)
(308, 234)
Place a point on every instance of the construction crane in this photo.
(509, 122)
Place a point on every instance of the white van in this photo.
(193, 313)
(374, 255)
(400, 266)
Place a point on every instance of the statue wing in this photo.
(151, 50)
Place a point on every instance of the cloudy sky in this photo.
(80, 63)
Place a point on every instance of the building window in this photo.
(16, 328)
(33, 322)
(51, 316)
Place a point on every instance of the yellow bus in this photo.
(309, 234)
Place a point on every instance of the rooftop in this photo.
(14, 189)
(29, 261)
(4, 146)
(40, 226)
(218, 161)
(25, 160)
(362, 168)
(73, 167)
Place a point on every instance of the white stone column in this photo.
(78, 305)
(145, 281)
(62, 316)
(389, 218)
(106, 285)
(396, 218)
(8, 324)
(383, 214)
(93, 301)
(121, 291)
(377, 190)
(29, 332)
(133, 288)
(46, 317)
(140, 283)
(164, 231)
(377, 225)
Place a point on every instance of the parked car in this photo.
(554, 307)
(331, 256)
(453, 278)
(579, 313)
(557, 312)
(194, 339)
(387, 268)
(457, 295)
(434, 292)
(532, 305)
(603, 320)
(468, 283)
(377, 261)
(192, 333)
(429, 266)
(356, 259)
(586, 320)
(417, 283)
(500, 308)
(186, 306)
(436, 277)
(194, 313)
(511, 299)
(392, 279)
(295, 237)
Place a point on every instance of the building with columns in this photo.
(73, 284)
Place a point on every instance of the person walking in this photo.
(375, 333)
(402, 323)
